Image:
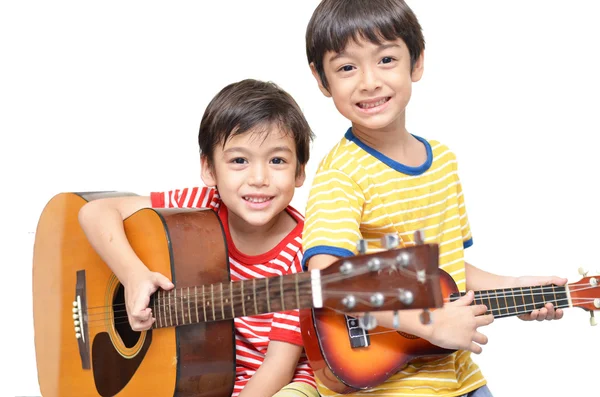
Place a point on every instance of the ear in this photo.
(418, 69)
(315, 74)
(300, 177)
(207, 172)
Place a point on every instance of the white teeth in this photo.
(257, 199)
(374, 104)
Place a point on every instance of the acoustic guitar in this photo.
(85, 346)
(347, 357)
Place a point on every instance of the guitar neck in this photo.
(506, 302)
(226, 301)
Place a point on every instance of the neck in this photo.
(226, 301)
(508, 302)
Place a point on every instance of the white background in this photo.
(109, 95)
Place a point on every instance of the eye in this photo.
(239, 160)
(387, 60)
(278, 160)
(346, 68)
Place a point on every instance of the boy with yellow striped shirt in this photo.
(380, 179)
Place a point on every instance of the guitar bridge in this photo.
(80, 318)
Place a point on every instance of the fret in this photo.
(555, 302)
(222, 308)
(515, 307)
(281, 293)
(528, 299)
(267, 291)
(532, 298)
(231, 297)
(243, 299)
(212, 299)
(156, 314)
(164, 308)
(254, 291)
(297, 292)
(506, 291)
(495, 292)
(188, 302)
(169, 306)
(520, 302)
(182, 307)
(175, 305)
(489, 304)
(196, 303)
(204, 303)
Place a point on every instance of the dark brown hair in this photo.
(334, 22)
(253, 105)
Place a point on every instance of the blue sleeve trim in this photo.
(324, 249)
(468, 243)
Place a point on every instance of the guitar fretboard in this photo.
(507, 302)
(225, 301)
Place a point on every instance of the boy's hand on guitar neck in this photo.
(455, 326)
(139, 286)
(547, 312)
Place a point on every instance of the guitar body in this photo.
(106, 358)
(346, 369)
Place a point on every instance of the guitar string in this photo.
(332, 312)
(521, 308)
(325, 279)
(535, 291)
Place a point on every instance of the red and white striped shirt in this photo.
(252, 333)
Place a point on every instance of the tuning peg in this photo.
(405, 296)
(367, 322)
(592, 319)
(361, 246)
(419, 237)
(349, 301)
(583, 271)
(425, 317)
(390, 241)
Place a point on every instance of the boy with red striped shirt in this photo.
(254, 143)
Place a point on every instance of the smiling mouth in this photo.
(257, 200)
(370, 105)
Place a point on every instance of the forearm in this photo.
(276, 371)
(103, 227)
(478, 279)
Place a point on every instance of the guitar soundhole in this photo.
(128, 336)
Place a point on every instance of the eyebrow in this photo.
(241, 149)
(379, 48)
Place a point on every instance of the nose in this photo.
(370, 79)
(258, 175)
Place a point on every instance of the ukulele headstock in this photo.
(586, 293)
(392, 279)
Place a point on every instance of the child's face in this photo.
(371, 84)
(255, 175)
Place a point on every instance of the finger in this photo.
(163, 282)
(142, 325)
(465, 300)
(142, 315)
(542, 314)
(480, 338)
(482, 321)
(479, 310)
(475, 348)
(558, 314)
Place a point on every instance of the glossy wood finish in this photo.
(187, 246)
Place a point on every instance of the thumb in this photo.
(162, 281)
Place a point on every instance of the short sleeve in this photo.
(333, 213)
(196, 197)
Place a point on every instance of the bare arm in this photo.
(102, 222)
(276, 371)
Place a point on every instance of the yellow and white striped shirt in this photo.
(359, 193)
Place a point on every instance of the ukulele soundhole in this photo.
(128, 336)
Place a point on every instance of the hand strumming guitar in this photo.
(139, 286)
